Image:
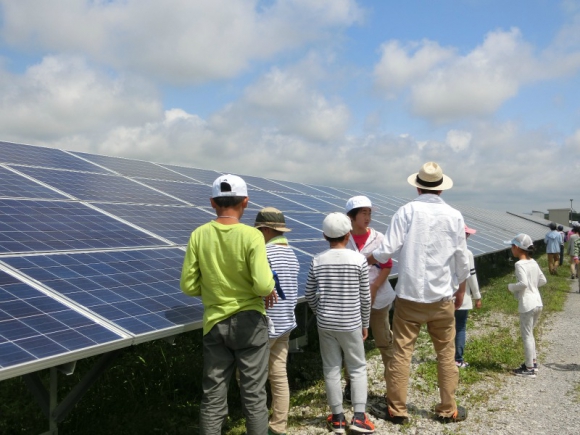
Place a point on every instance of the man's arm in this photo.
(459, 295)
(393, 240)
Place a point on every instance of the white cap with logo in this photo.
(234, 186)
(357, 202)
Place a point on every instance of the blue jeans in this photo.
(460, 327)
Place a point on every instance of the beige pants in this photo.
(553, 262)
(407, 321)
(381, 328)
(279, 383)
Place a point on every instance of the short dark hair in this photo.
(560, 227)
(424, 191)
(352, 213)
(552, 226)
(335, 239)
(228, 201)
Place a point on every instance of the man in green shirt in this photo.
(226, 264)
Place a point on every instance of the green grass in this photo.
(155, 388)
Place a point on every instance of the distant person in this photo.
(272, 224)
(365, 240)
(572, 237)
(472, 295)
(428, 238)
(338, 292)
(225, 263)
(529, 278)
(564, 239)
(553, 240)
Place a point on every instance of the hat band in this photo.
(429, 183)
(274, 224)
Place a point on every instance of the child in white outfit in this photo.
(530, 277)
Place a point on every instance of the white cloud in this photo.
(458, 140)
(181, 41)
(445, 86)
(63, 96)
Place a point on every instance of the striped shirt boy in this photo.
(338, 291)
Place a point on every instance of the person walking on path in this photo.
(564, 239)
(283, 262)
(573, 236)
(225, 263)
(472, 295)
(428, 238)
(529, 277)
(553, 240)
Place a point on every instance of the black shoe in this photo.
(346, 394)
(459, 415)
(381, 410)
(524, 372)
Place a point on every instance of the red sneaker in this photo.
(360, 423)
(336, 423)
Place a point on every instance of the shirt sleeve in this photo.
(190, 282)
(462, 268)
(311, 288)
(472, 279)
(394, 238)
(541, 278)
(522, 280)
(262, 276)
(365, 295)
(387, 265)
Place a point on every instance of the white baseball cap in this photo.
(336, 225)
(232, 185)
(357, 202)
(522, 241)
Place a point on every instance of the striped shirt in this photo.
(338, 290)
(284, 262)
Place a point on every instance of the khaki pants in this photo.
(381, 328)
(278, 378)
(553, 263)
(407, 321)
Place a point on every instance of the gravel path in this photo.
(548, 404)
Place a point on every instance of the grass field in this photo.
(154, 388)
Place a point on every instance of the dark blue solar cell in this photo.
(19, 308)
(97, 333)
(135, 325)
(44, 157)
(60, 225)
(133, 168)
(41, 346)
(71, 340)
(43, 323)
(98, 187)
(172, 223)
(15, 330)
(13, 185)
(10, 355)
(72, 319)
(194, 193)
(201, 175)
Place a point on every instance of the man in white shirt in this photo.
(427, 236)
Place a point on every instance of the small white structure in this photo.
(559, 215)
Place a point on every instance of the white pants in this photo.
(528, 322)
(351, 343)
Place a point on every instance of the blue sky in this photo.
(335, 92)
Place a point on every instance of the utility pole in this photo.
(571, 210)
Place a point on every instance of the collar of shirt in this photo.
(278, 240)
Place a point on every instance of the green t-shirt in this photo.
(227, 266)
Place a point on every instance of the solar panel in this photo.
(37, 331)
(202, 175)
(44, 157)
(172, 223)
(193, 193)
(17, 186)
(137, 291)
(28, 225)
(261, 198)
(133, 168)
(99, 187)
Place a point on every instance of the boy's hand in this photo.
(478, 304)
(271, 299)
(365, 333)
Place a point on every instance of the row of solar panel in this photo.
(90, 258)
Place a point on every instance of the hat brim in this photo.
(281, 229)
(470, 230)
(446, 184)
